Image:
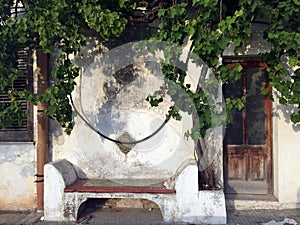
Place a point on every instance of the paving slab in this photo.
(125, 216)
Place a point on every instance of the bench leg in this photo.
(72, 204)
(167, 205)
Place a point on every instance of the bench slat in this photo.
(79, 186)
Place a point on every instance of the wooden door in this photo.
(248, 139)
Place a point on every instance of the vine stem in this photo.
(221, 9)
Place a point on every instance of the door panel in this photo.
(247, 143)
(235, 136)
(236, 166)
(256, 168)
(255, 106)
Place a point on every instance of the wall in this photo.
(286, 146)
(115, 104)
(17, 166)
(113, 101)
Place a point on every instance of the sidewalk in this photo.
(153, 217)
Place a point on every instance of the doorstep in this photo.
(254, 202)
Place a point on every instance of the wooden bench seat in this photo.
(106, 186)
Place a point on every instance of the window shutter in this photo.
(21, 132)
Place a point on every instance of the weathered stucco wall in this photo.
(17, 169)
(286, 144)
(112, 97)
(115, 104)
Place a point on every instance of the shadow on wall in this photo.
(56, 136)
(95, 45)
(286, 111)
(79, 172)
(298, 198)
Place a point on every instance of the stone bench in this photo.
(179, 199)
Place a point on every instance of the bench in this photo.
(178, 198)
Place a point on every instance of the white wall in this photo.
(286, 148)
(114, 108)
(17, 169)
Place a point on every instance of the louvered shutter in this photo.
(21, 132)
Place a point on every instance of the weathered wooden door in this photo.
(248, 139)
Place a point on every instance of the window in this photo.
(21, 132)
(248, 126)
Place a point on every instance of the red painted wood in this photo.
(78, 186)
(74, 187)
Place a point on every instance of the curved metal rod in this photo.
(114, 140)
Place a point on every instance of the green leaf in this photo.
(295, 117)
(161, 12)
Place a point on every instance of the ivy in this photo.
(211, 30)
(210, 26)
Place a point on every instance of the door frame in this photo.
(256, 60)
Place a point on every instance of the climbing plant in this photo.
(211, 26)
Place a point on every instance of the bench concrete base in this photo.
(186, 204)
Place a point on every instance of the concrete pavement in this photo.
(147, 217)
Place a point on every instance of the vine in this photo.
(211, 26)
